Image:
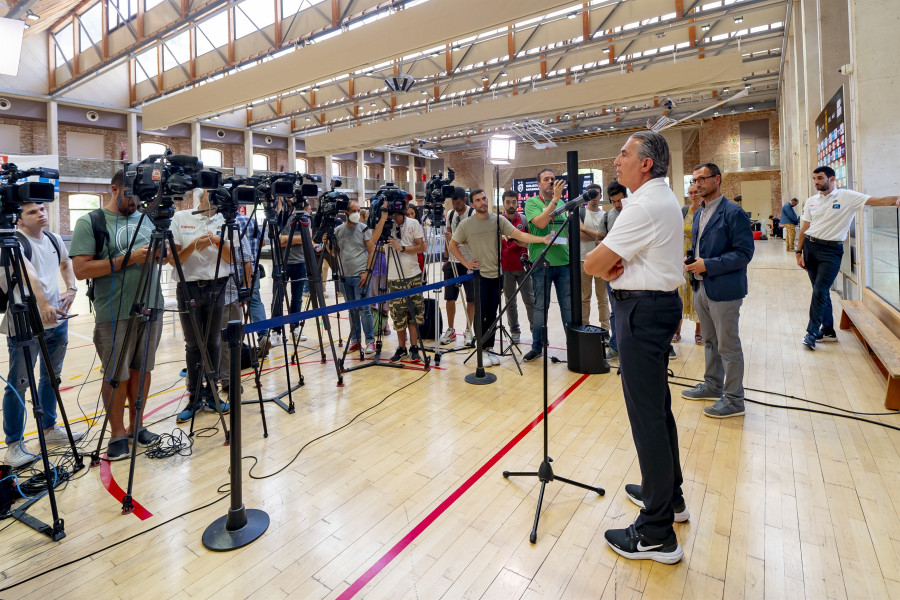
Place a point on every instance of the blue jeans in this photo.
(13, 408)
(257, 310)
(823, 263)
(352, 291)
(561, 279)
(297, 277)
(612, 319)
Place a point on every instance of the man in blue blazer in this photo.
(722, 248)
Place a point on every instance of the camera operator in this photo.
(453, 268)
(233, 304)
(197, 241)
(353, 253)
(102, 255)
(513, 257)
(251, 233)
(404, 246)
(45, 259)
(480, 234)
(294, 265)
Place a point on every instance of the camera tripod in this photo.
(147, 308)
(25, 321)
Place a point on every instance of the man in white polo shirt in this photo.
(642, 258)
(824, 226)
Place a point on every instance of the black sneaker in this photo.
(633, 491)
(400, 354)
(145, 437)
(827, 336)
(672, 351)
(809, 340)
(118, 449)
(633, 544)
(414, 354)
(531, 355)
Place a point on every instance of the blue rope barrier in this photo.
(327, 310)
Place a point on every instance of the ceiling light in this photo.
(612, 126)
(503, 73)
(435, 54)
(31, 16)
(484, 77)
(704, 28)
(724, 90)
(315, 88)
(739, 19)
(624, 108)
(26, 25)
(572, 15)
(606, 50)
(716, 114)
(373, 103)
(307, 118)
(424, 92)
(751, 108)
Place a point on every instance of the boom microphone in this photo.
(573, 204)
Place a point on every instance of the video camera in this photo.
(330, 204)
(437, 190)
(14, 193)
(388, 198)
(157, 180)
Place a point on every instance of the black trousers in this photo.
(210, 299)
(644, 330)
(490, 305)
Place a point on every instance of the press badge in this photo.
(835, 206)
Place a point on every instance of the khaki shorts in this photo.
(399, 309)
(127, 358)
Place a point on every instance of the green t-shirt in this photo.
(115, 293)
(558, 255)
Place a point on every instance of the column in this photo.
(490, 188)
(388, 172)
(361, 176)
(132, 148)
(676, 162)
(292, 154)
(411, 175)
(53, 150)
(195, 138)
(248, 151)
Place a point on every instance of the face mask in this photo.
(354, 217)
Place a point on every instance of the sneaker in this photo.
(211, 405)
(118, 449)
(414, 354)
(275, 339)
(515, 336)
(146, 437)
(809, 340)
(354, 347)
(297, 335)
(700, 392)
(370, 349)
(611, 354)
(672, 351)
(633, 544)
(448, 336)
(633, 491)
(468, 338)
(400, 354)
(58, 435)
(186, 415)
(265, 344)
(18, 456)
(493, 359)
(531, 355)
(827, 336)
(725, 408)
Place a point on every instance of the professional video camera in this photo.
(388, 198)
(157, 180)
(330, 204)
(14, 193)
(438, 189)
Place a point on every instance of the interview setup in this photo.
(431, 299)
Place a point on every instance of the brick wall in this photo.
(32, 136)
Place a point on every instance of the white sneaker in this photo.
(295, 333)
(448, 336)
(275, 339)
(493, 358)
(58, 435)
(468, 338)
(370, 350)
(17, 456)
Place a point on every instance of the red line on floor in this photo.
(416, 531)
(113, 488)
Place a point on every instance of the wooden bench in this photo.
(882, 344)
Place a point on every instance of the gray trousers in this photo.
(232, 312)
(512, 280)
(724, 356)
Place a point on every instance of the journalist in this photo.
(353, 256)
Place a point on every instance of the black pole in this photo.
(480, 376)
(240, 526)
(574, 234)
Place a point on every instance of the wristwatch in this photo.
(798, 251)
(73, 288)
(403, 249)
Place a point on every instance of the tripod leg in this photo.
(537, 514)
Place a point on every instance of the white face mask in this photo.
(354, 217)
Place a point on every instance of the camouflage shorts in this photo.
(399, 308)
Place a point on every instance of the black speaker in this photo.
(586, 349)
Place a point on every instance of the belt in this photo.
(628, 294)
(208, 282)
(824, 242)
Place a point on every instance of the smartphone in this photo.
(65, 317)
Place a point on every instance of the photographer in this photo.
(453, 268)
(294, 265)
(197, 242)
(45, 259)
(353, 253)
(403, 273)
(480, 234)
(102, 255)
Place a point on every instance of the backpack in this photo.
(101, 238)
(28, 252)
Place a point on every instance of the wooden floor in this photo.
(784, 504)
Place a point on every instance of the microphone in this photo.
(573, 204)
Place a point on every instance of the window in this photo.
(211, 157)
(121, 11)
(335, 168)
(212, 33)
(148, 148)
(252, 14)
(147, 66)
(91, 27)
(883, 253)
(65, 45)
(177, 51)
(260, 162)
(302, 165)
(81, 204)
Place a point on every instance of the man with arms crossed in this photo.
(642, 258)
(824, 227)
(115, 290)
(49, 259)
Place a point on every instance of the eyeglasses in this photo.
(701, 179)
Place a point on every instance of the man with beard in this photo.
(511, 254)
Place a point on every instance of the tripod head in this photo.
(13, 193)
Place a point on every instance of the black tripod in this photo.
(545, 471)
(148, 307)
(25, 321)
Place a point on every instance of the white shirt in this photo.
(46, 265)
(409, 261)
(649, 236)
(592, 221)
(201, 264)
(830, 215)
